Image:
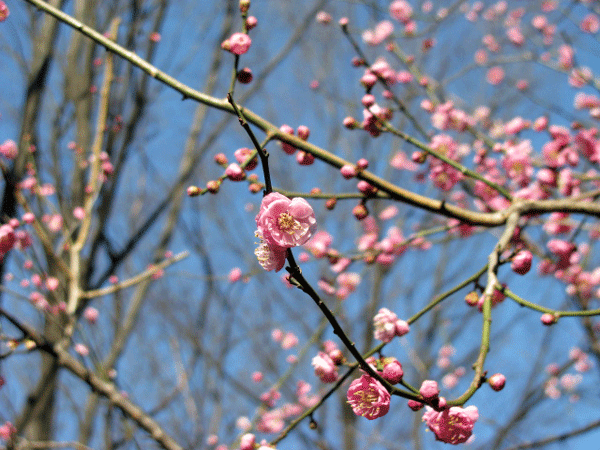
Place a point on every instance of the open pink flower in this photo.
(285, 223)
(269, 257)
(452, 426)
(368, 398)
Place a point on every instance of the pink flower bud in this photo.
(366, 188)
(4, 12)
(52, 283)
(350, 123)
(212, 186)
(28, 218)
(368, 100)
(362, 164)
(193, 191)
(360, 211)
(221, 159)
(244, 5)
(91, 314)
(79, 213)
(234, 172)
(429, 390)
(239, 43)
(521, 263)
(368, 80)
(303, 132)
(251, 22)
(81, 349)
(393, 372)
(548, 319)
(9, 147)
(287, 148)
(247, 442)
(348, 171)
(323, 17)
(401, 327)
(304, 159)
(497, 381)
(234, 275)
(242, 154)
(415, 405)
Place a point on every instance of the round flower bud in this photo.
(193, 191)
(221, 159)
(548, 319)
(368, 100)
(350, 123)
(304, 159)
(251, 22)
(368, 80)
(521, 262)
(234, 172)
(393, 372)
(245, 76)
(429, 390)
(497, 381)
(360, 211)
(303, 132)
(348, 171)
(330, 203)
(362, 164)
(472, 298)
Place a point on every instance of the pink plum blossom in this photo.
(325, 368)
(385, 325)
(453, 425)
(284, 223)
(368, 398)
(269, 257)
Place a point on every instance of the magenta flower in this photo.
(452, 426)
(368, 398)
(285, 223)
